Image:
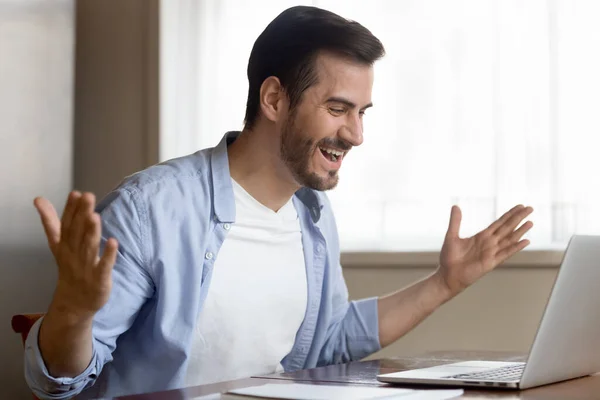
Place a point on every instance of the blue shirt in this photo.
(171, 220)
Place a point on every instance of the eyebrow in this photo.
(346, 102)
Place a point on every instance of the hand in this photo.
(84, 278)
(464, 261)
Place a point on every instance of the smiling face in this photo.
(318, 133)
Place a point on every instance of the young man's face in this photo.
(327, 122)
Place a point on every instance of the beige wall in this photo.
(500, 312)
(116, 91)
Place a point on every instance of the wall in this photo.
(36, 86)
(116, 91)
(499, 313)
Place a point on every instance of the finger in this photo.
(505, 217)
(84, 210)
(68, 214)
(510, 250)
(108, 259)
(50, 220)
(518, 234)
(88, 213)
(91, 239)
(454, 224)
(509, 226)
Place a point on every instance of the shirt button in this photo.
(319, 249)
(208, 255)
(226, 226)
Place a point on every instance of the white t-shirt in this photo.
(257, 296)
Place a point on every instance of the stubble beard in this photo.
(296, 153)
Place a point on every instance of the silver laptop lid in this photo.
(567, 343)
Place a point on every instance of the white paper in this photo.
(300, 391)
(215, 396)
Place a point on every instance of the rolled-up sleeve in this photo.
(132, 286)
(46, 386)
(354, 329)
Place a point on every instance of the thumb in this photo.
(50, 220)
(455, 219)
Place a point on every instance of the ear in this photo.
(272, 97)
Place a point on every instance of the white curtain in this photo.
(481, 103)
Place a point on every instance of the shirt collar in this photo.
(223, 200)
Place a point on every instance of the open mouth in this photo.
(331, 154)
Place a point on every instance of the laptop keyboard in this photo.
(504, 374)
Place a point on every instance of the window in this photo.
(481, 103)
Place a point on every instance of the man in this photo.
(225, 263)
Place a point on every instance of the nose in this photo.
(352, 131)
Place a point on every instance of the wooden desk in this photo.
(364, 372)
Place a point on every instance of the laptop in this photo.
(567, 342)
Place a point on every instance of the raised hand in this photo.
(463, 261)
(84, 278)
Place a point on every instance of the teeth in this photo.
(333, 152)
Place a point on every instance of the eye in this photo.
(338, 111)
(362, 113)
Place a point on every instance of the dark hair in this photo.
(288, 49)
